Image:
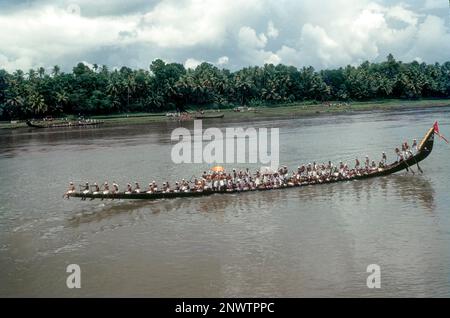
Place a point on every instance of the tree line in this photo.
(170, 86)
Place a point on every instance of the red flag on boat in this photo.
(437, 132)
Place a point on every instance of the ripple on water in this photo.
(71, 247)
(52, 232)
(27, 226)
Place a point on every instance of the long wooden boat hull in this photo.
(209, 116)
(424, 150)
(63, 125)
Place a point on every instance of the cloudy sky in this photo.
(230, 34)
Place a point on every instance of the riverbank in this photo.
(285, 110)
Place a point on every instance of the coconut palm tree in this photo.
(62, 98)
(56, 70)
(41, 72)
(37, 103)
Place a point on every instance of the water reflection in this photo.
(411, 188)
(209, 206)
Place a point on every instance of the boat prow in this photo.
(423, 151)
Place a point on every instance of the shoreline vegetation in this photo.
(143, 95)
(292, 110)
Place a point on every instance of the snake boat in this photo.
(423, 151)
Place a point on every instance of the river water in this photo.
(311, 241)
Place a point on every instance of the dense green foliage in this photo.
(165, 87)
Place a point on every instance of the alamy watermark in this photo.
(228, 148)
(74, 279)
(374, 279)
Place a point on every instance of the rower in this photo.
(405, 149)
(330, 165)
(374, 165)
(215, 183)
(137, 188)
(129, 189)
(257, 181)
(70, 190)
(221, 184)
(209, 185)
(408, 150)
(198, 185)
(229, 186)
(400, 155)
(96, 188)
(115, 187)
(367, 162)
(184, 185)
(105, 188)
(414, 146)
(86, 188)
(346, 171)
(202, 184)
(357, 164)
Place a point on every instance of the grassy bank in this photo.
(285, 110)
(309, 109)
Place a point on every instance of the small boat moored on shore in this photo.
(205, 116)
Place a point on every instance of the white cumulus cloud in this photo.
(320, 33)
(247, 37)
(223, 60)
(272, 32)
(192, 63)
